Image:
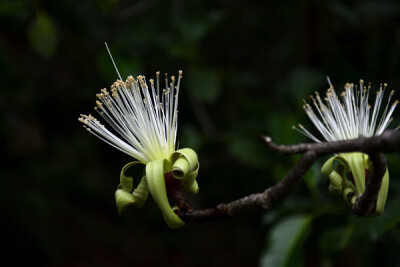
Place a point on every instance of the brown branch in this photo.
(366, 203)
(388, 142)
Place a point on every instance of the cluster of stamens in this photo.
(144, 117)
(350, 118)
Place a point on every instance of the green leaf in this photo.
(284, 240)
(42, 35)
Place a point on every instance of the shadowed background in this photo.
(247, 66)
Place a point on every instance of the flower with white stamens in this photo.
(144, 118)
(349, 119)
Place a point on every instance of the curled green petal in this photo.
(180, 168)
(336, 185)
(123, 199)
(189, 154)
(380, 202)
(127, 181)
(337, 182)
(191, 186)
(155, 179)
(356, 166)
(185, 166)
(349, 196)
(356, 163)
(328, 166)
(141, 193)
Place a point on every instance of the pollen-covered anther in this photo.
(81, 119)
(105, 92)
(180, 74)
(98, 103)
(348, 86)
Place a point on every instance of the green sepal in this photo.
(155, 179)
(123, 199)
(185, 166)
(141, 193)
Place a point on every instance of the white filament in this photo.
(145, 120)
(350, 118)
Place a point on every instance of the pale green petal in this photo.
(328, 166)
(356, 163)
(349, 195)
(127, 181)
(155, 179)
(141, 193)
(185, 166)
(123, 199)
(335, 177)
(380, 203)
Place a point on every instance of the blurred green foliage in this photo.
(247, 67)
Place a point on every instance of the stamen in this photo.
(349, 118)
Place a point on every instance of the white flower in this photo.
(146, 118)
(350, 118)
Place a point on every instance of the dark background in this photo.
(247, 66)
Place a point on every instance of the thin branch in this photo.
(366, 203)
(388, 142)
